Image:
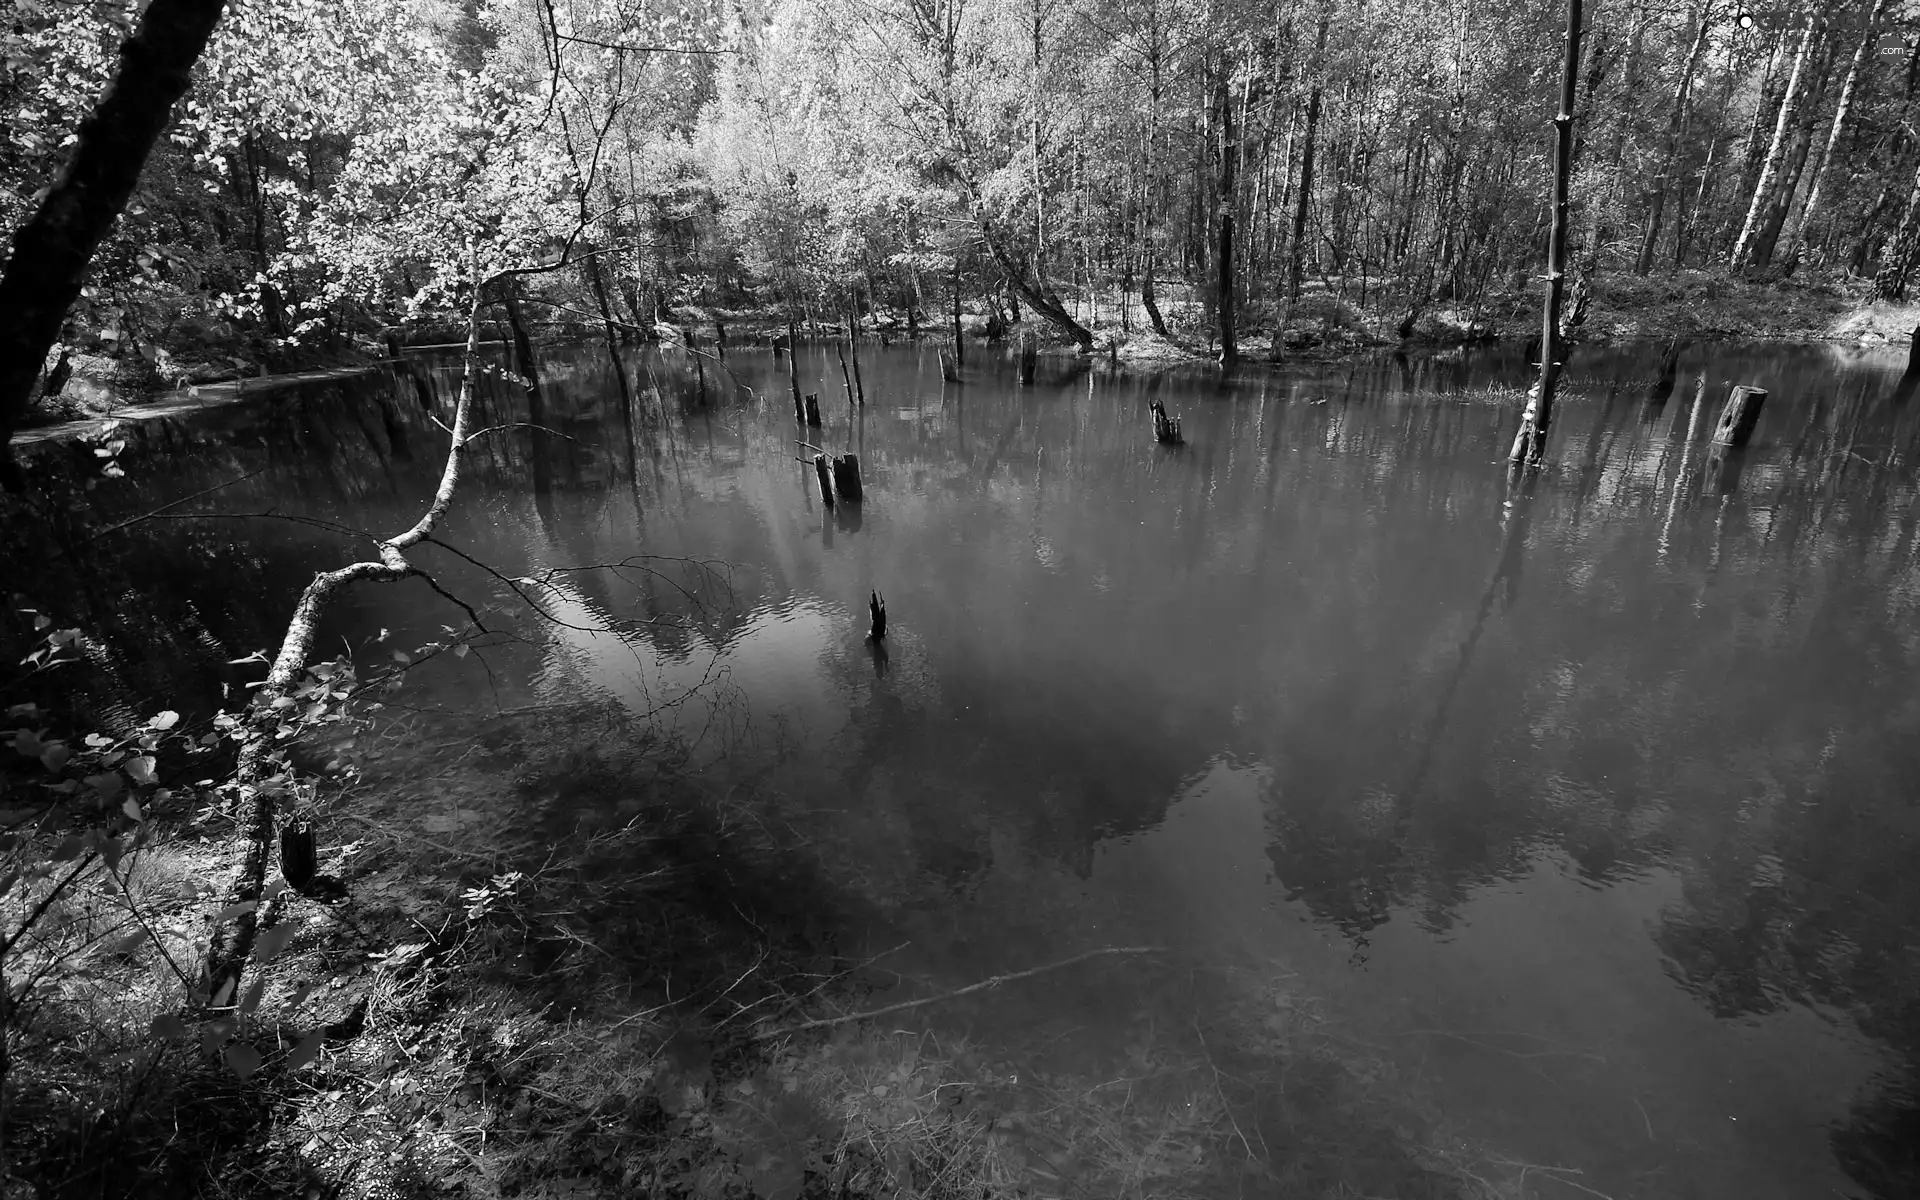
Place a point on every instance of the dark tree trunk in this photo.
(613, 340)
(52, 249)
(1657, 194)
(1296, 248)
(1223, 275)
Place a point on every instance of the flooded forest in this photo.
(959, 599)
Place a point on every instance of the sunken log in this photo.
(1741, 414)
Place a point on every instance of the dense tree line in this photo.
(339, 165)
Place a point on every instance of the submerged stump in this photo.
(826, 480)
(948, 371)
(1741, 414)
(1166, 429)
(298, 859)
(877, 610)
(1029, 356)
(813, 410)
(846, 477)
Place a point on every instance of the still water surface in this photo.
(1591, 805)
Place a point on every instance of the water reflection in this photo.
(1615, 765)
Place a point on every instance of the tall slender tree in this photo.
(1530, 443)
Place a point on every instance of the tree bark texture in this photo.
(51, 251)
(233, 941)
(1776, 151)
(1840, 113)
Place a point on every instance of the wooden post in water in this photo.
(793, 373)
(1740, 415)
(1910, 379)
(826, 480)
(813, 410)
(853, 347)
(720, 335)
(1029, 356)
(877, 609)
(846, 477)
(845, 378)
(700, 369)
(948, 371)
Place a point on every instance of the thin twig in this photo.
(983, 985)
(480, 433)
(175, 504)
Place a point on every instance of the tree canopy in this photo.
(343, 165)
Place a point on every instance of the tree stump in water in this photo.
(1166, 430)
(877, 609)
(1739, 417)
(793, 373)
(813, 410)
(948, 371)
(298, 858)
(846, 477)
(826, 480)
(1910, 379)
(720, 334)
(1029, 356)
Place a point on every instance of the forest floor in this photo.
(567, 968)
(1689, 305)
(1327, 323)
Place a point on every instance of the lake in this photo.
(1588, 804)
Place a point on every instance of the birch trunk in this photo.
(1840, 113)
(1777, 150)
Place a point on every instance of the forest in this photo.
(524, 286)
(1224, 174)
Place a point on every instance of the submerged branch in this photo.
(983, 985)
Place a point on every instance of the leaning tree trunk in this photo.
(52, 249)
(1033, 289)
(1840, 113)
(1763, 188)
(1530, 444)
(257, 772)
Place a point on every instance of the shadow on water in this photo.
(1591, 799)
